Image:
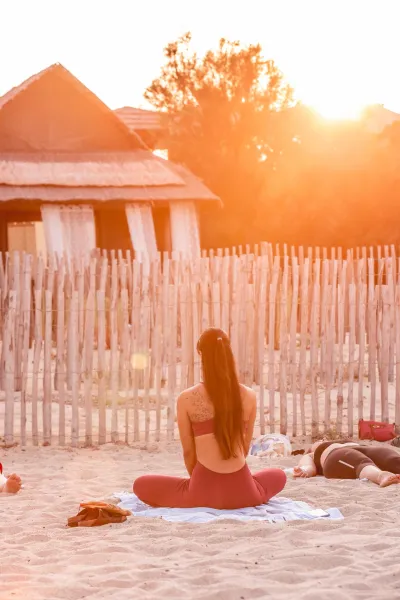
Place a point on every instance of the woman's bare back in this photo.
(200, 409)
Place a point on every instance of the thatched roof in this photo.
(59, 71)
(136, 168)
(139, 119)
(191, 188)
(54, 169)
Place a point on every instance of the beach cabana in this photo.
(71, 168)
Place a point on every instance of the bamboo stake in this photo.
(73, 342)
(303, 343)
(352, 344)
(196, 332)
(135, 331)
(147, 355)
(330, 316)
(114, 352)
(26, 317)
(392, 310)
(225, 295)
(261, 338)
(234, 326)
(38, 341)
(9, 368)
(372, 353)
(314, 342)
(385, 354)
(341, 339)
(19, 331)
(271, 344)
(88, 353)
(158, 366)
(173, 291)
(101, 345)
(397, 405)
(361, 337)
(186, 341)
(371, 293)
(283, 344)
(293, 343)
(60, 361)
(250, 318)
(125, 355)
(242, 320)
(47, 396)
(323, 325)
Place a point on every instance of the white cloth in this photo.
(185, 234)
(141, 229)
(271, 444)
(277, 510)
(69, 230)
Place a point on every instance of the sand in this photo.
(41, 559)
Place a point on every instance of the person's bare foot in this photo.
(13, 484)
(387, 478)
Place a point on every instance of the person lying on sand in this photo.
(349, 460)
(10, 484)
(216, 422)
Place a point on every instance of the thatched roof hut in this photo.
(61, 145)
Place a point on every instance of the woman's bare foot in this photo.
(386, 478)
(13, 484)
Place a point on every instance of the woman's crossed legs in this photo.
(206, 488)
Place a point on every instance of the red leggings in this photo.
(206, 488)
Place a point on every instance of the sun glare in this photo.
(338, 109)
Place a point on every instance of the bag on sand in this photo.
(375, 430)
(98, 513)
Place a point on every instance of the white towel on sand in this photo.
(277, 510)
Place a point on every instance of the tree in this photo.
(224, 116)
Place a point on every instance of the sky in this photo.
(339, 55)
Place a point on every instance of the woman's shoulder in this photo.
(195, 391)
(248, 394)
(249, 401)
(195, 402)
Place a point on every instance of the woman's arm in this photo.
(306, 467)
(186, 434)
(248, 434)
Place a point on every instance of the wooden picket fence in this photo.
(98, 349)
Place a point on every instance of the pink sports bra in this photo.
(204, 427)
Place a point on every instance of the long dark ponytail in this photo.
(222, 385)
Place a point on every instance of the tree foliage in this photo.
(282, 172)
(223, 114)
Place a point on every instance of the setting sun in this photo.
(338, 109)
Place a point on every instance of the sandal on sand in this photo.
(98, 513)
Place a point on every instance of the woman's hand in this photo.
(301, 472)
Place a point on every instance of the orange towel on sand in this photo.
(98, 513)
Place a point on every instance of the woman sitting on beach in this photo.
(10, 484)
(349, 460)
(216, 420)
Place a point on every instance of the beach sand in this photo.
(42, 559)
